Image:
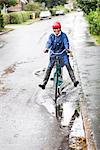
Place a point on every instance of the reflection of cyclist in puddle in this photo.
(57, 42)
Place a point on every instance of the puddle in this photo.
(68, 111)
(71, 120)
(71, 123)
(45, 100)
(73, 126)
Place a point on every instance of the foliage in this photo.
(16, 18)
(8, 3)
(52, 3)
(6, 18)
(88, 5)
(19, 17)
(94, 21)
(25, 15)
(32, 6)
(1, 21)
(35, 7)
(37, 14)
(97, 39)
(59, 7)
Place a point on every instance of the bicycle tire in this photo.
(56, 95)
(57, 92)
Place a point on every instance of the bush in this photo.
(53, 11)
(32, 6)
(88, 5)
(30, 13)
(19, 17)
(6, 18)
(94, 21)
(1, 21)
(26, 15)
(35, 7)
(37, 14)
(16, 18)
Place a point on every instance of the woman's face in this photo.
(57, 31)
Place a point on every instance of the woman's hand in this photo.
(71, 54)
(46, 51)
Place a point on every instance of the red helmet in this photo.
(56, 25)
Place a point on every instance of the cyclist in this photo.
(57, 42)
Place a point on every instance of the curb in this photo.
(91, 144)
(90, 140)
(5, 32)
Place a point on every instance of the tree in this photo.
(8, 3)
(88, 5)
(51, 3)
(32, 6)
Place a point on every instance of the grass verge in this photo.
(30, 21)
(2, 30)
(97, 39)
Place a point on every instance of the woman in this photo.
(57, 42)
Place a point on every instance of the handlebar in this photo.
(59, 52)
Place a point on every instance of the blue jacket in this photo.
(58, 44)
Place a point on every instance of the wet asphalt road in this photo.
(25, 123)
(20, 98)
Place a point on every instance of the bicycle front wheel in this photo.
(56, 96)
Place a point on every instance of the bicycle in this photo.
(58, 80)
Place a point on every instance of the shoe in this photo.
(76, 83)
(52, 79)
(42, 86)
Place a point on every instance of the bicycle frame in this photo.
(57, 76)
(57, 82)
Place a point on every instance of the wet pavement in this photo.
(27, 113)
(88, 59)
(24, 122)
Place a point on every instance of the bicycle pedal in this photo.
(64, 93)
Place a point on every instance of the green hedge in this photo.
(25, 16)
(37, 14)
(94, 22)
(6, 18)
(16, 18)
